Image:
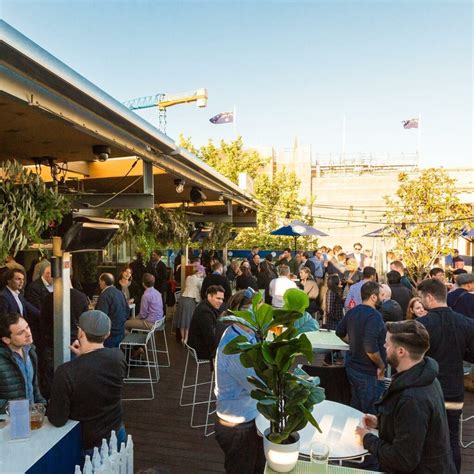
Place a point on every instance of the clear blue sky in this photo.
(290, 68)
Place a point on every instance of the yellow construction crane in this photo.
(163, 101)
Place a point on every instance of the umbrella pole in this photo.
(296, 237)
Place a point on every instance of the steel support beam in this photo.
(249, 220)
(113, 201)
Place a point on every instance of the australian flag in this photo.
(223, 117)
(412, 123)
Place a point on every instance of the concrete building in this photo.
(347, 192)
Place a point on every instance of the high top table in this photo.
(49, 450)
(326, 340)
(304, 467)
(337, 422)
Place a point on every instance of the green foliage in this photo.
(278, 194)
(147, 229)
(27, 206)
(279, 198)
(229, 159)
(425, 218)
(286, 399)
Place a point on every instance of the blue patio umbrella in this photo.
(296, 229)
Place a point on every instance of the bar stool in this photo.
(160, 326)
(141, 339)
(191, 354)
(461, 422)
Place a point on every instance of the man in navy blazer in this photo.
(113, 303)
(12, 301)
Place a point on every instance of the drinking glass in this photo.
(37, 411)
(319, 457)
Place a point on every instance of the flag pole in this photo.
(234, 121)
(343, 137)
(419, 138)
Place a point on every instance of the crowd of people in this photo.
(89, 387)
(418, 334)
(423, 331)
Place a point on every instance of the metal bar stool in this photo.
(199, 362)
(461, 422)
(160, 326)
(141, 339)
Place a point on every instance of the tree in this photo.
(278, 195)
(425, 218)
(279, 204)
(229, 159)
(27, 207)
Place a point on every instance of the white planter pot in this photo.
(281, 457)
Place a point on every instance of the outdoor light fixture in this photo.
(196, 195)
(179, 183)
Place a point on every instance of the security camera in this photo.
(101, 152)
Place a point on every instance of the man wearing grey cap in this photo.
(461, 299)
(89, 387)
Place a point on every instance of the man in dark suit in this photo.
(216, 278)
(78, 305)
(37, 290)
(12, 301)
(202, 332)
(113, 303)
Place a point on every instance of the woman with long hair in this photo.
(245, 279)
(334, 304)
(415, 309)
(265, 275)
(127, 285)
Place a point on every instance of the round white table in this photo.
(337, 423)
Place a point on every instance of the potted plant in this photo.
(285, 398)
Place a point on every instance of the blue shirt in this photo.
(232, 391)
(318, 267)
(26, 367)
(366, 330)
(354, 294)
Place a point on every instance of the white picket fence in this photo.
(108, 460)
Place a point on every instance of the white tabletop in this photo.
(19, 455)
(326, 340)
(337, 423)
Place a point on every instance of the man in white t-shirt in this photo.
(279, 285)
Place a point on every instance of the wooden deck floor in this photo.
(165, 443)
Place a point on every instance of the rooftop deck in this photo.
(165, 443)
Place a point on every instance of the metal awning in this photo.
(47, 110)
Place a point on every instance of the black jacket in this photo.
(413, 428)
(12, 382)
(402, 295)
(243, 282)
(391, 311)
(31, 313)
(451, 337)
(159, 271)
(202, 331)
(78, 305)
(216, 279)
(36, 292)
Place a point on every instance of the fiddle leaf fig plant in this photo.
(285, 398)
